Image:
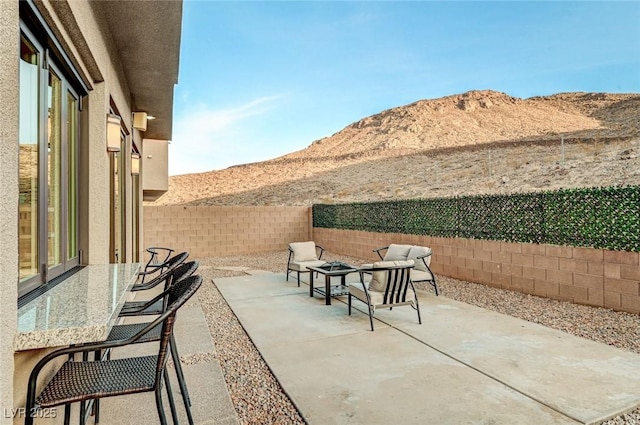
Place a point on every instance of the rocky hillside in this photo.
(476, 142)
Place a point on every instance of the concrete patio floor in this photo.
(463, 365)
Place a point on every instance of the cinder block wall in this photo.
(222, 231)
(581, 275)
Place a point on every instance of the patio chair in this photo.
(158, 255)
(302, 255)
(81, 380)
(157, 304)
(390, 286)
(159, 270)
(421, 256)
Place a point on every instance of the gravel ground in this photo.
(259, 399)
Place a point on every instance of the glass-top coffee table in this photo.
(329, 270)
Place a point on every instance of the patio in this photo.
(463, 365)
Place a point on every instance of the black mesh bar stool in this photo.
(157, 306)
(159, 272)
(78, 381)
(158, 255)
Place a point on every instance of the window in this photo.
(135, 215)
(48, 166)
(117, 242)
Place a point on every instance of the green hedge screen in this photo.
(607, 218)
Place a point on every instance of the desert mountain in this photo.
(476, 142)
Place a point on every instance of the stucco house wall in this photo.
(9, 98)
(86, 33)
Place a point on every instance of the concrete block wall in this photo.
(221, 231)
(588, 276)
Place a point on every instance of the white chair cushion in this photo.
(420, 276)
(379, 279)
(302, 265)
(397, 252)
(357, 291)
(417, 251)
(377, 298)
(303, 251)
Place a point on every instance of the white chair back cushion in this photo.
(303, 251)
(397, 252)
(418, 251)
(379, 279)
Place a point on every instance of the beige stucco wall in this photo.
(155, 163)
(8, 197)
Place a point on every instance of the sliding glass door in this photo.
(48, 169)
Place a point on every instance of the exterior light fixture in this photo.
(140, 121)
(135, 163)
(113, 133)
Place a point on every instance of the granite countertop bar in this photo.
(82, 308)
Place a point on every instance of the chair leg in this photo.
(83, 413)
(95, 408)
(181, 381)
(370, 316)
(349, 303)
(172, 404)
(67, 414)
(96, 411)
(298, 279)
(161, 415)
(418, 309)
(435, 285)
(83, 404)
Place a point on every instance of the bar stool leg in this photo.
(161, 414)
(172, 404)
(181, 381)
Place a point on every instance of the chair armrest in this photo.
(422, 257)
(321, 251)
(370, 269)
(155, 268)
(377, 251)
(153, 250)
(155, 260)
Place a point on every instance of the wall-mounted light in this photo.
(140, 121)
(135, 163)
(113, 133)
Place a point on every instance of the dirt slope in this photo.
(476, 142)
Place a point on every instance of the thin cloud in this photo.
(209, 120)
(202, 134)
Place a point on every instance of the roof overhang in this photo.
(147, 37)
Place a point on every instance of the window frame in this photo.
(51, 63)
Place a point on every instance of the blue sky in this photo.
(262, 79)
